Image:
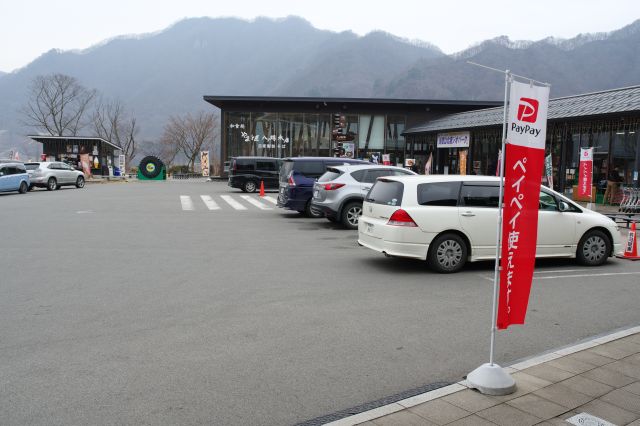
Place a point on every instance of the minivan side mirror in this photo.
(563, 206)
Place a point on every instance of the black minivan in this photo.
(246, 173)
(297, 176)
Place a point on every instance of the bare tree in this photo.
(57, 105)
(190, 134)
(111, 122)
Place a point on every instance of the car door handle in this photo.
(468, 214)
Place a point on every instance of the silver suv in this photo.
(53, 175)
(340, 191)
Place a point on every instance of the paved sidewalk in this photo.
(600, 377)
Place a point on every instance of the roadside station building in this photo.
(608, 121)
(291, 127)
(103, 155)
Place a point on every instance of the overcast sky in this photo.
(29, 28)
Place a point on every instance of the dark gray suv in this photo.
(340, 191)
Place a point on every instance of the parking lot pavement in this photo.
(123, 307)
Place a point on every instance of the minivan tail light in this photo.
(401, 218)
(332, 186)
(290, 180)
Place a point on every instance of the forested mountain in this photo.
(157, 75)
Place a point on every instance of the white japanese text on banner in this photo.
(524, 162)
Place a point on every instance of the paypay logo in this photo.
(528, 110)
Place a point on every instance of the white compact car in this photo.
(449, 220)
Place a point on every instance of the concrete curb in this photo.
(456, 387)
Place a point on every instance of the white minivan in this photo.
(448, 220)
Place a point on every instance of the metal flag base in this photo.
(590, 206)
(491, 379)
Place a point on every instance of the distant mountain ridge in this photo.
(167, 72)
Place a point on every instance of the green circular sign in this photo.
(151, 167)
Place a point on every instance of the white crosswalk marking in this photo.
(187, 203)
(270, 199)
(255, 202)
(208, 201)
(233, 203)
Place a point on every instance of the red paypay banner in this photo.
(523, 165)
(586, 171)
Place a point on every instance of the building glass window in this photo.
(624, 153)
(318, 134)
(371, 136)
(292, 127)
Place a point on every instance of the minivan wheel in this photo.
(80, 182)
(312, 212)
(447, 253)
(594, 248)
(52, 184)
(350, 215)
(249, 186)
(23, 187)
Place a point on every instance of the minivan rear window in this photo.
(438, 194)
(310, 168)
(286, 168)
(387, 192)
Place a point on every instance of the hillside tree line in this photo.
(59, 105)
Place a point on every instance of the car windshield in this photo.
(32, 166)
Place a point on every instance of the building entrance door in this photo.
(448, 161)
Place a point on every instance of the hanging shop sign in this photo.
(454, 140)
(548, 170)
(586, 172)
(523, 165)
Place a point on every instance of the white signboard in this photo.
(526, 105)
(454, 140)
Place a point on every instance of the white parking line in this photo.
(560, 271)
(208, 201)
(587, 275)
(187, 203)
(255, 202)
(233, 203)
(270, 199)
(490, 278)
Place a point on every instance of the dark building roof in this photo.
(621, 100)
(91, 139)
(328, 105)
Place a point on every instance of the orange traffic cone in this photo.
(262, 188)
(631, 249)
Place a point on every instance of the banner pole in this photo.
(590, 205)
(496, 272)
